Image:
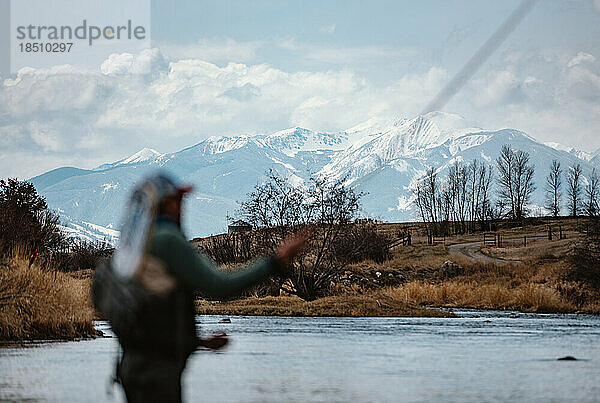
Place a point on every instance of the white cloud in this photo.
(106, 115)
(581, 57)
(117, 64)
(60, 117)
(539, 93)
(495, 88)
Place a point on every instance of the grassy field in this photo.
(538, 280)
(40, 305)
(536, 277)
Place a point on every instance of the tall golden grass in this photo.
(524, 297)
(374, 303)
(38, 304)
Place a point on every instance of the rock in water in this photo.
(225, 320)
(567, 358)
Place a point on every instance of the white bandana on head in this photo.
(140, 214)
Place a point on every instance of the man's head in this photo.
(170, 206)
(169, 196)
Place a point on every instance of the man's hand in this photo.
(291, 245)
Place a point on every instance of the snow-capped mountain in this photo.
(584, 155)
(144, 155)
(382, 158)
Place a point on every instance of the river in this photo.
(480, 356)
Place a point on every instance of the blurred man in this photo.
(163, 270)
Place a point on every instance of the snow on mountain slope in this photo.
(397, 139)
(382, 158)
(144, 155)
(296, 139)
(82, 230)
(571, 150)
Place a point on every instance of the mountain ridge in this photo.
(382, 158)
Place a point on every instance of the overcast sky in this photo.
(226, 68)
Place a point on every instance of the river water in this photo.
(480, 356)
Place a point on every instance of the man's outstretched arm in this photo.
(198, 273)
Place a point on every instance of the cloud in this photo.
(552, 95)
(497, 87)
(581, 58)
(103, 116)
(243, 93)
(61, 116)
(584, 84)
(147, 61)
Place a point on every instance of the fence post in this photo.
(549, 233)
(524, 241)
(560, 233)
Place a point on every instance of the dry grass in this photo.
(375, 303)
(538, 284)
(525, 297)
(537, 249)
(37, 304)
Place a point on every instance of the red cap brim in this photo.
(185, 189)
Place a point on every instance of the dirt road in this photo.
(473, 251)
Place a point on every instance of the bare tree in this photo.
(458, 179)
(457, 203)
(474, 169)
(591, 192)
(484, 212)
(554, 189)
(515, 180)
(276, 208)
(429, 201)
(574, 189)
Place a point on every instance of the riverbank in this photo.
(372, 304)
(414, 299)
(43, 305)
(536, 276)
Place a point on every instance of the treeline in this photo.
(30, 230)
(474, 194)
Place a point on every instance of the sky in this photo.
(239, 67)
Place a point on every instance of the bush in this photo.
(230, 248)
(276, 209)
(585, 258)
(363, 242)
(26, 222)
(81, 255)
